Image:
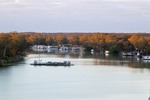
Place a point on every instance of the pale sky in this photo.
(75, 15)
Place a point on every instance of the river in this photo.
(93, 77)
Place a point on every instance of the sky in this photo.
(75, 16)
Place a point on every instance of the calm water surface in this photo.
(93, 77)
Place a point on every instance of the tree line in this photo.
(13, 43)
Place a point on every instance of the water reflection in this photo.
(100, 59)
(93, 77)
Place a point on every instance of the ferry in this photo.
(39, 63)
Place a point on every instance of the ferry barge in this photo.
(39, 63)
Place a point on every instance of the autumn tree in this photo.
(39, 38)
(98, 41)
(17, 44)
(31, 39)
(4, 43)
(94, 40)
(36, 39)
(74, 40)
(147, 49)
(138, 41)
(49, 40)
(61, 39)
(110, 40)
(123, 44)
(85, 40)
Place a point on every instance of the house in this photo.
(52, 49)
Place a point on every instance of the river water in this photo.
(93, 77)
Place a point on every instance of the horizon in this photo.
(79, 32)
(54, 16)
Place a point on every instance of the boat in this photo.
(139, 55)
(64, 49)
(93, 50)
(145, 57)
(127, 54)
(65, 63)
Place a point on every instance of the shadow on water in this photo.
(101, 59)
(4, 67)
(5, 70)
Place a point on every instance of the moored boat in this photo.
(146, 57)
(127, 54)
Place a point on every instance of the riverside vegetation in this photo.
(13, 44)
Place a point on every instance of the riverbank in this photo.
(6, 61)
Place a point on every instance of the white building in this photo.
(41, 47)
(52, 49)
